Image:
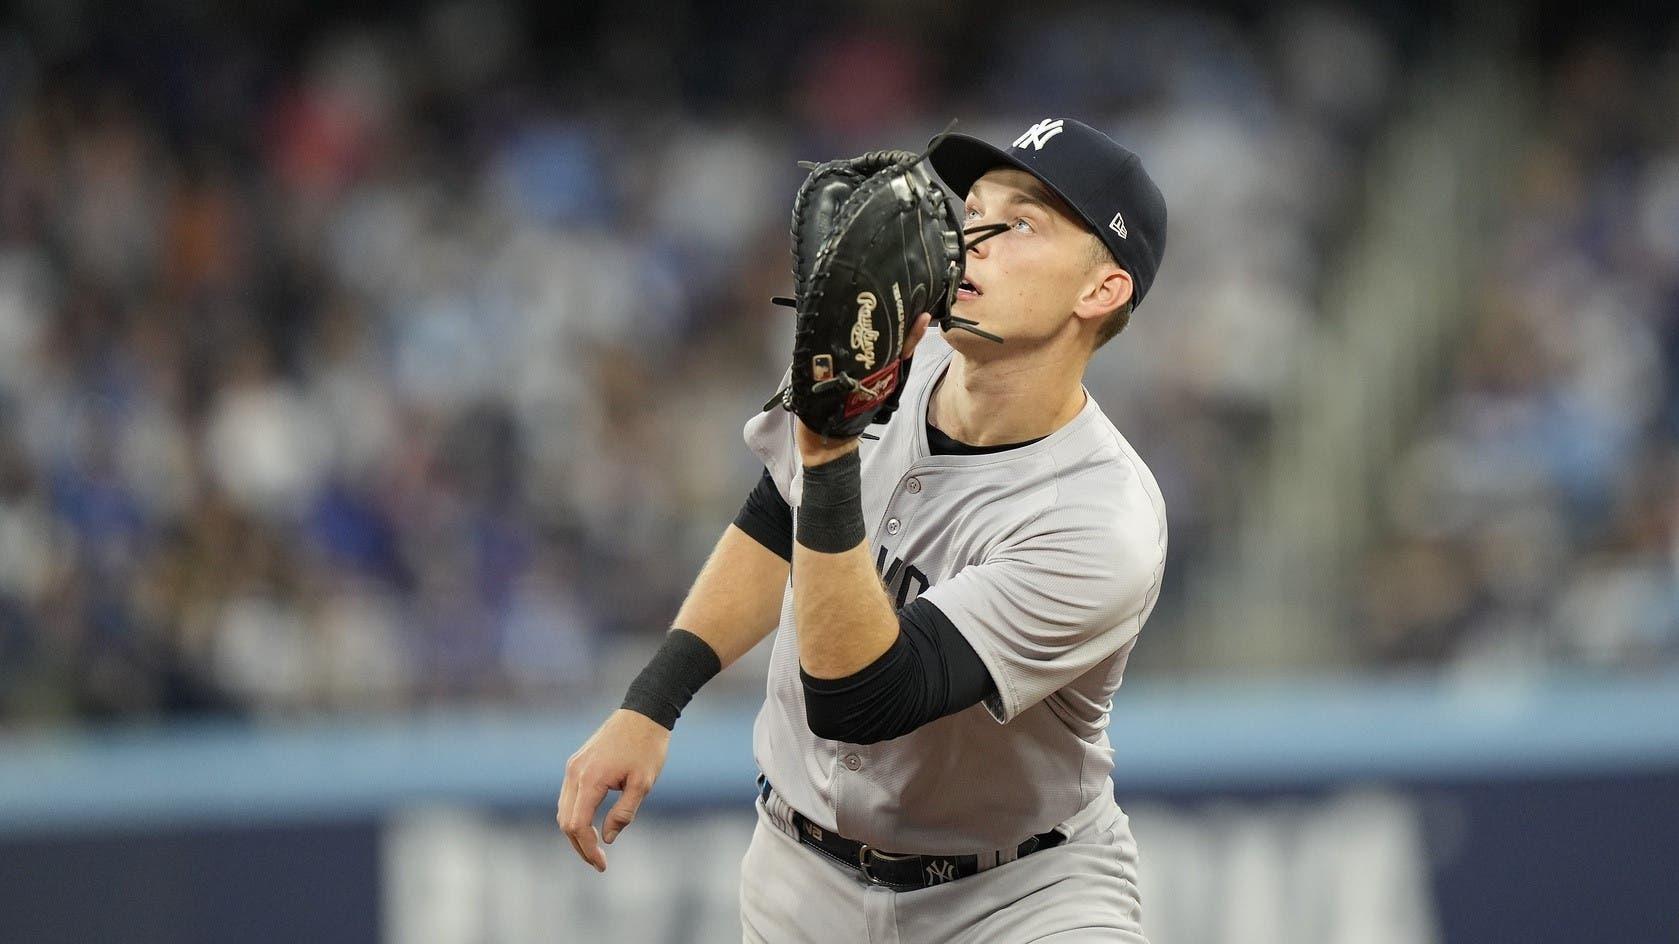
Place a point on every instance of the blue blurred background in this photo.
(371, 383)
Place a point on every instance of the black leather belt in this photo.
(894, 870)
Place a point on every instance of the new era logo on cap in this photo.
(1117, 224)
(1039, 134)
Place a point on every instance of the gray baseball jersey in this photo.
(1048, 558)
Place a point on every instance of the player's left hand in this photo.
(814, 448)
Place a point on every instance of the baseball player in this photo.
(954, 606)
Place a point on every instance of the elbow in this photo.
(832, 725)
(848, 735)
(824, 723)
(875, 704)
(823, 727)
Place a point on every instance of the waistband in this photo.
(895, 870)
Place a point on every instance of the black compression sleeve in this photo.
(767, 518)
(931, 670)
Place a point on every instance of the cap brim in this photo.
(961, 159)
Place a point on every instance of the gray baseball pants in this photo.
(1084, 890)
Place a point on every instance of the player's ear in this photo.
(1106, 291)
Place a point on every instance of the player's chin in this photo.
(972, 344)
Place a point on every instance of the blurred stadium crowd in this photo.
(379, 363)
(1533, 520)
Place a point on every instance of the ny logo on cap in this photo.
(1039, 134)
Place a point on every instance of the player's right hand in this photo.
(626, 754)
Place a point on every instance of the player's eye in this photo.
(971, 213)
(1023, 225)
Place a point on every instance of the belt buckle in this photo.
(867, 850)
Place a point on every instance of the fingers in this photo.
(587, 844)
(577, 847)
(915, 334)
(567, 790)
(559, 817)
(577, 816)
(623, 812)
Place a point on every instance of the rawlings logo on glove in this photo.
(863, 334)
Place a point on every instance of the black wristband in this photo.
(830, 516)
(681, 666)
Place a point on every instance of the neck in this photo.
(1009, 400)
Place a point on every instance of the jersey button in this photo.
(892, 525)
(913, 486)
(853, 762)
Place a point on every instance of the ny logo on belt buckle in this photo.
(863, 862)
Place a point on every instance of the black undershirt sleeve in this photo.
(767, 518)
(930, 670)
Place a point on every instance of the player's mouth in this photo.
(967, 289)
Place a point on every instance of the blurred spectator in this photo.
(374, 364)
(1537, 507)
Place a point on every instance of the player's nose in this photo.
(976, 237)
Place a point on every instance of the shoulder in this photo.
(1106, 501)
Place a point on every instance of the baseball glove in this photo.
(876, 243)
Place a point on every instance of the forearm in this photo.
(844, 619)
(736, 599)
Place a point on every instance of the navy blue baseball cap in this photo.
(1103, 183)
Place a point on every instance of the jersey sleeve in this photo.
(1054, 601)
(770, 436)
